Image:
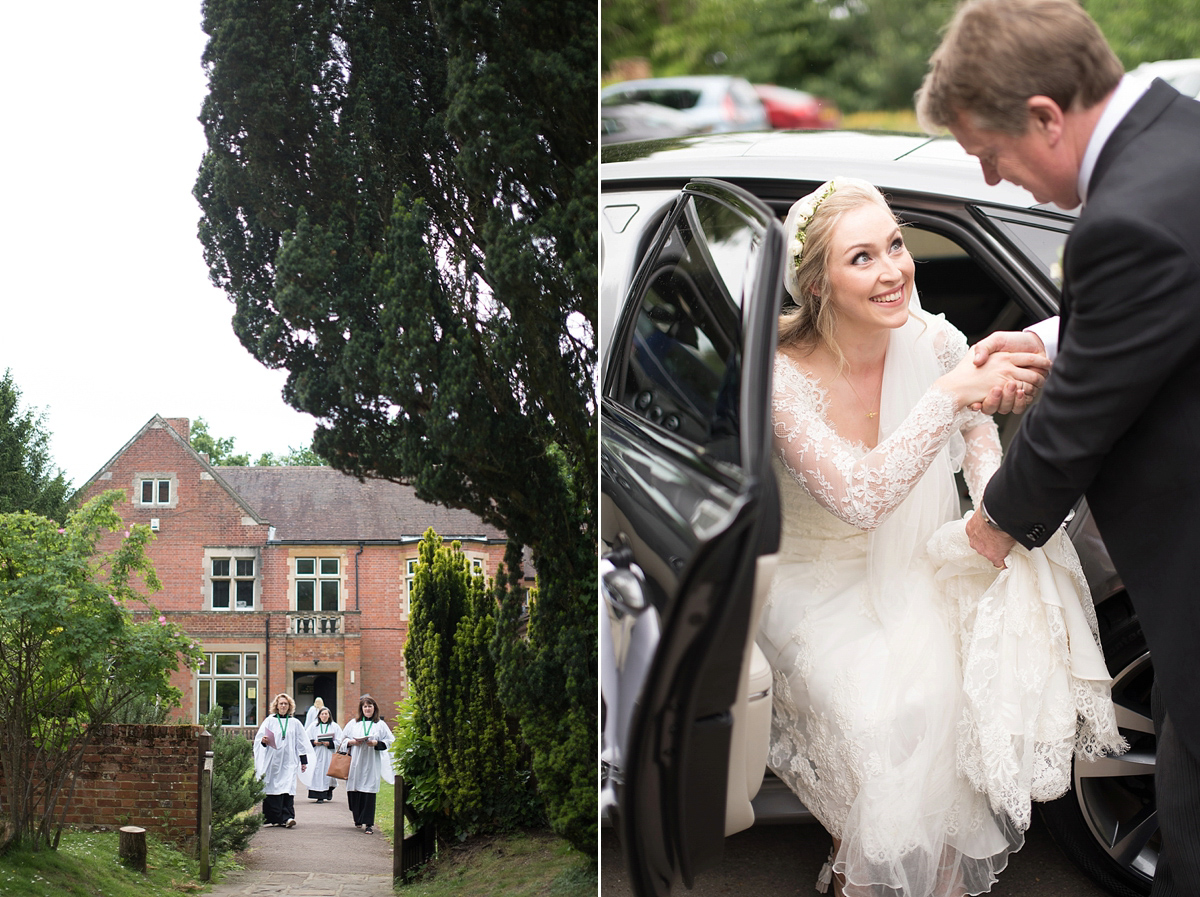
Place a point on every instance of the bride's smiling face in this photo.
(870, 270)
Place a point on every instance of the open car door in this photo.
(690, 522)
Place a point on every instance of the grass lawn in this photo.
(86, 865)
(522, 864)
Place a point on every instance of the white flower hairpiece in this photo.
(804, 210)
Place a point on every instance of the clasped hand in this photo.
(1013, 394)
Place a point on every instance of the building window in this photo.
(410, 577)
(228, 681)
(231, 578)
(477, 566)
(318, 584)
(232, 581)
(157, 490)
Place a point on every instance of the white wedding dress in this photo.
(920, 699)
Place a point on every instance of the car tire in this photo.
(1092, 820)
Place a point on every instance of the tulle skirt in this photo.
(925, 782)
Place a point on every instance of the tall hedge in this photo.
(483, 765)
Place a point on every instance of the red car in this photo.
(788, 108)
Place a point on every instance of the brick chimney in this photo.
(182, 426)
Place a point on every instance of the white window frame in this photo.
(232, 555)
(248, 676)
(410, 577)
(321, 575)
(157, 481)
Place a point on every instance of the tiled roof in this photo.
(320, 504)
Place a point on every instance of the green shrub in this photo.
(235, 789)
(416, 763)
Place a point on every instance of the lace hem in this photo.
(1025, 632)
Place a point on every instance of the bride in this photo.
(921, 697)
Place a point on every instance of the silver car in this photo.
(708, 103)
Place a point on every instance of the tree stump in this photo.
(132, 847)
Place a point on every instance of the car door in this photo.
(690, 522)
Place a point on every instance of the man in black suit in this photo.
(1032, 89)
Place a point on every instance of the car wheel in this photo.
(1107, 824)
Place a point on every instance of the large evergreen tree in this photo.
(29, 480)
(400, 199)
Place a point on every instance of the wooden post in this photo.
(206, 777)
(398, 828)
(132, 847)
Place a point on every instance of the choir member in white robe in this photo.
(368, 738)
(324, 735)
(280, 752)
(310, 716)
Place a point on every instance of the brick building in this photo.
(292, 579)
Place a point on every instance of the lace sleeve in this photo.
(982, 457)
(860, 489)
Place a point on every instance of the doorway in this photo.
(307, 687)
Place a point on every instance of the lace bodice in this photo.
(862, 486)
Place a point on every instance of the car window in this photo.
(681, 371)
(1034, 240)
(675, 97)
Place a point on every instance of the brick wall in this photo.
(142, 775)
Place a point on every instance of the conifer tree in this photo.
(29, 480)
(235, 788)
(483, 768)
(400, 199)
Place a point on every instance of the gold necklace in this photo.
(870, 414)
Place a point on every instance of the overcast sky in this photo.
(107, 316)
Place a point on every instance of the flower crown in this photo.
(804, 210)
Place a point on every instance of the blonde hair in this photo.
(812, 320)
(996, 54)
(286, 697)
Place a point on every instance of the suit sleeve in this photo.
(1133, 323)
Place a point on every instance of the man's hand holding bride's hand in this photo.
(992, 543)
(1003, 376)
(1026, 350)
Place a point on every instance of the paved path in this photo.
(323, 856)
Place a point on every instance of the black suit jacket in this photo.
(1119, 419)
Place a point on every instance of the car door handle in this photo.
(622, 582)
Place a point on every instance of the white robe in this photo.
(279, 766)
(319, 757)
(367, 764)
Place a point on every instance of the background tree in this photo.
(220, 451)
(1147, 30)
(29, 480)
(54, 689)
(295, 457)
(400, 199)
(483, 767)
(864, 54)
